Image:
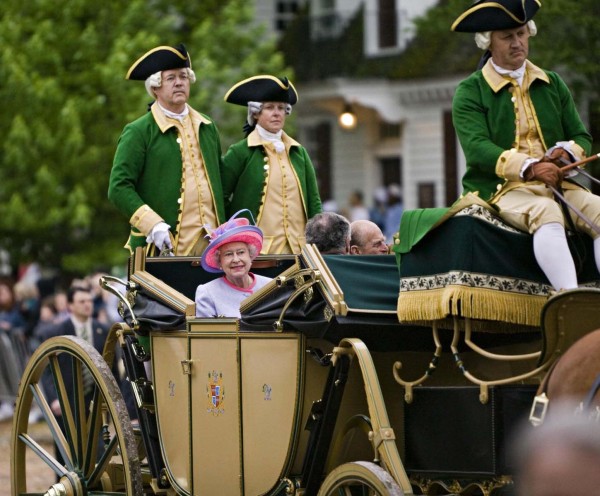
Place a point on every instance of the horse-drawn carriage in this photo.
(341, 377)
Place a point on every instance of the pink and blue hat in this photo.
(236, 229)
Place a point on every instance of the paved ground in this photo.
(38, 474)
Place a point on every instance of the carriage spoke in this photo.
(69, 429)
(104, 461)
(46, 457)
(55, 429)
(93, 426)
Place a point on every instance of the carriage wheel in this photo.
(94, 438)
(359, 479)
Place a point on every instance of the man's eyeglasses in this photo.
(172, 78)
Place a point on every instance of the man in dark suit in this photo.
(81, 324)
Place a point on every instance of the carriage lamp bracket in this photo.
(323, 359)
(143, 391)
(316, 412)
(139, 352)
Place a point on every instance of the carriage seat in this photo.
(184, 274)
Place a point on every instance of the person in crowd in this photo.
(27, 297)
(517, 125)
(10, 317)
(268, 172)
(232, 248)
(393, 212)
(48, 319)
(61, 304)
(11, 322)
(330, 232)
(358, 210)
(330, 206)
(377, 211)
(560, 457)
(367, 239)
(165, 176)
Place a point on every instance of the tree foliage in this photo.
(65, 102)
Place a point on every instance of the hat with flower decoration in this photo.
(236, 229)
(158, 59)
(496, 16)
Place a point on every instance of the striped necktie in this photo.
(88, 380)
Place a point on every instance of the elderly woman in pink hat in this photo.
(231, 249)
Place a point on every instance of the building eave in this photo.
(390, 99)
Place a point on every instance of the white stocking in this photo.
(553, 256)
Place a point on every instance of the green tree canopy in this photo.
(65, 102)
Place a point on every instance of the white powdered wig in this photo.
(483, 40)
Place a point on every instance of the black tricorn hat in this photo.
(494, 16)
(262, 89)
(161, 58)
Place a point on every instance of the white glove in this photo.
(160, 236)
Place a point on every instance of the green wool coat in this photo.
(484, 120)
(243, 178)
(147, 169)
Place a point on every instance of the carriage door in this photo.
(215, 400)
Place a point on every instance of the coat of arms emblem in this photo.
(215, 392)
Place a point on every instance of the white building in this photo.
(403, 132)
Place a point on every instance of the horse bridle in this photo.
(539, 408)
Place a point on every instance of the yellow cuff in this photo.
(144, 219)
(510, 163)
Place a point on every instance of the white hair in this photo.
(155, 80)
(484, 39)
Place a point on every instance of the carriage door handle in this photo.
(186, 367)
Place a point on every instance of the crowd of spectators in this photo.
(30, 306)
(385, 210)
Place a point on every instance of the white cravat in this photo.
(515, 74)
(173, 115)
(274, 138)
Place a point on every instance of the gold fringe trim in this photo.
(474, 303)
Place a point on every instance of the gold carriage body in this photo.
(233, 402)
